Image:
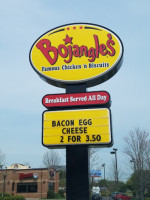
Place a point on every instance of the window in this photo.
(13, 187)
(50, 186)
(26, 187)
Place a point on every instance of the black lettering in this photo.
(98, 138)
(73, 138)
(62, 139)
(93, 137)
(76, 130)
(67, 123)
(72, 130)
(89, 122)
(85, 129)
(80, 122)
(58, 123)
(63, 131)
(53, 123)
(81, 129)
(78, 138)
(85, 122)
(68, 130)
(63, 123)
(72, 122)
(87, 138)
(69, 138)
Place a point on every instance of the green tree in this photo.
(122, 187)
(62, 178)
(137, 148)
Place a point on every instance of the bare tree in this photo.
(113, 171)
(115, 175)
(2, 158)
(94, 158)
(51, 159)
(137, 148)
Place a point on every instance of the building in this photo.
(31, 183)
(18, 166)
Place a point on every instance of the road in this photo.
(104, 198)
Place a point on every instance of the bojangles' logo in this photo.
(68, 50)
(77, 53)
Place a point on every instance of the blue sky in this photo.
(22, 22)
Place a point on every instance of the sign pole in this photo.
(77, 163)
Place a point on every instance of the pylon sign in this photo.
(77, 54)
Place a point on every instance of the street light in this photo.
(116, 174)
(135, 171)
(133, 160)
(103, 165)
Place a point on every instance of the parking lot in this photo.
(104, 198)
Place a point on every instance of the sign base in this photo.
(77, 178)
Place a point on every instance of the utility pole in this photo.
(103, 165)
(116, 170)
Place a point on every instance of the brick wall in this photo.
(13, 178)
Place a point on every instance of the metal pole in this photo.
(135, 172)
(77, 178)
(116, 168)
(116, 173)
(92, 180)
(103, 165)
(77, 163)
(104, 171)
(41, 184)
(133, 160)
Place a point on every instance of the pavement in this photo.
(104, 198)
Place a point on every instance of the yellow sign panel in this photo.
(88, 126)
(77, 53)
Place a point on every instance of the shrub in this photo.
(104, 194)
(57, 196)
(18, 197)
(5, 195)
(8, 197)
(61, 192)
(50, 194)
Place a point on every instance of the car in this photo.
(95, 189)
(103, 188)
(122, 196)
(96, 196)
(114, 194)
